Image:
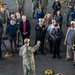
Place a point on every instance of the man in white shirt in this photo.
(49, 29)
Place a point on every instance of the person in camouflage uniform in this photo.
(20, 5)
(43, 4)
(69, 9)
(26, 52)
(35, 5)
(3, 17)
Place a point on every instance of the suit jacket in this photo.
(59, 32)
(28, 56)
(67, 36)
(28, 27)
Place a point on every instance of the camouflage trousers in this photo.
(70, 53)
(35, 5)
(21, 10)
(68, 15)
(43, 4)
(29, 72)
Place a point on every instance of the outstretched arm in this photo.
(33, 49)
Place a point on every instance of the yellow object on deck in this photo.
(48, 72)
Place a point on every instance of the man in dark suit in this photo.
(25, 28)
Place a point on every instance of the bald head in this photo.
(23, 17)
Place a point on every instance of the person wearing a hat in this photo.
(40, 34)
(69, 40)
(26, 52)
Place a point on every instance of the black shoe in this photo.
(43, 53)
(54, 57)
(67, 25)
(18, 45)
(16, 51)
(35, 53)
(59, 57)
(73, 64)
(51, 52)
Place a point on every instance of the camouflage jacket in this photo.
(27, 54)
(3, 17)
(20, 3)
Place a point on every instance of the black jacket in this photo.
(40, 33)
(56, 6)
(57, 33)
(28, 27)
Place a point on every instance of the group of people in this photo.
(13, 26)
(48, 27)
(35, 4)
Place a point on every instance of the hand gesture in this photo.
(38, 43)
(25, 33)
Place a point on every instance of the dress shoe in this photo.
(59, 57)
(73, 64)
(68, 59)
(18, 45)
(16, 51)
(43, 53)
(35, 53)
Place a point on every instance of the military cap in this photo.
(40, 19)
(72, 22)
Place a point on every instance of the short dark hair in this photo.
(56, 25)
(4, 4)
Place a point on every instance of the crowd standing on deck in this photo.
(48, 29)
